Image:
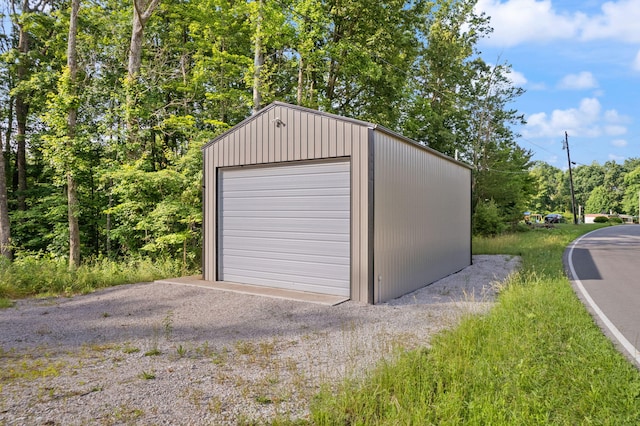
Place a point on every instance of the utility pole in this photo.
(573, 197)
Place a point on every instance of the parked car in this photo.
(553, 218)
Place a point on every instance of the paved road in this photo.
(605, 268)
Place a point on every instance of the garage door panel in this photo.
(309, 214)
(301, 283)
(311, 226)
(271, 202)
(284, 247)
(277, 236)
(272, 255)
(283, 170)
(311, 270)
(287, 226)
(289, 193)
(310, 182)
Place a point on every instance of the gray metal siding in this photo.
(303, 135)
(422, 217)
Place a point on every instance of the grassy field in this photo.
(536, 358)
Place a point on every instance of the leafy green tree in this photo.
(437, 113)
(492, 149)
(613, 182)
(65, 140)
(368, 63)
(631, 192)
(142, 11)
(630, 164)
(546, 181)
(585, 179)
(600, 201)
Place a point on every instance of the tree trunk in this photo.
(5, 227)
(300, 81)
(7, 147)
(74, 228)
(22, 110)
(258, 61)
(72, 196)
(142, 10)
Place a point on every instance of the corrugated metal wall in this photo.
(282, 133)
(422, 217)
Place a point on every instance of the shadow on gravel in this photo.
(153, 311)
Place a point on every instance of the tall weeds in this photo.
(32, 276)
(536, 358)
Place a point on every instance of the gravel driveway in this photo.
(155, 353)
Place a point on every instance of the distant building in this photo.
(590, 217)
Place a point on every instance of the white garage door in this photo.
(286, 226)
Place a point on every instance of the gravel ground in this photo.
(168, 354)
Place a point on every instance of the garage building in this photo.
(303, 200)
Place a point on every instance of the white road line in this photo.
(635, 354)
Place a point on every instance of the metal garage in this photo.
(303, 200)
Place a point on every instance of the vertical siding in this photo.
(422, 217)
(304, 135)
(209, 208)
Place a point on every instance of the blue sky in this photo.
(579, 62)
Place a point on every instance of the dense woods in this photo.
(105, 104)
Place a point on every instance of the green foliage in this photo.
(158, 211)
(5, 303)
(411, 66)
(42, 276)
(615, 220)
(535, 358)
(546, 181)
(631, 191)
(487, 219)
(599, 201)
(599, 188)
(601, 219)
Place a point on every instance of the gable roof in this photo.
(372, 126)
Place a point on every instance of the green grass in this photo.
(536, 358)
(32, 276)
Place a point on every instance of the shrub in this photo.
(487, 220)
(601, 219)
(616, 220)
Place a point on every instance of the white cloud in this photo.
(581, 81)
(613, 116)
(537, 86)
(583, 121)
(615, 130)
(618, 21)
(614, 157)
(519, 21)
(620, 143)
(552, 159)
(517, 78)
(636, 62)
